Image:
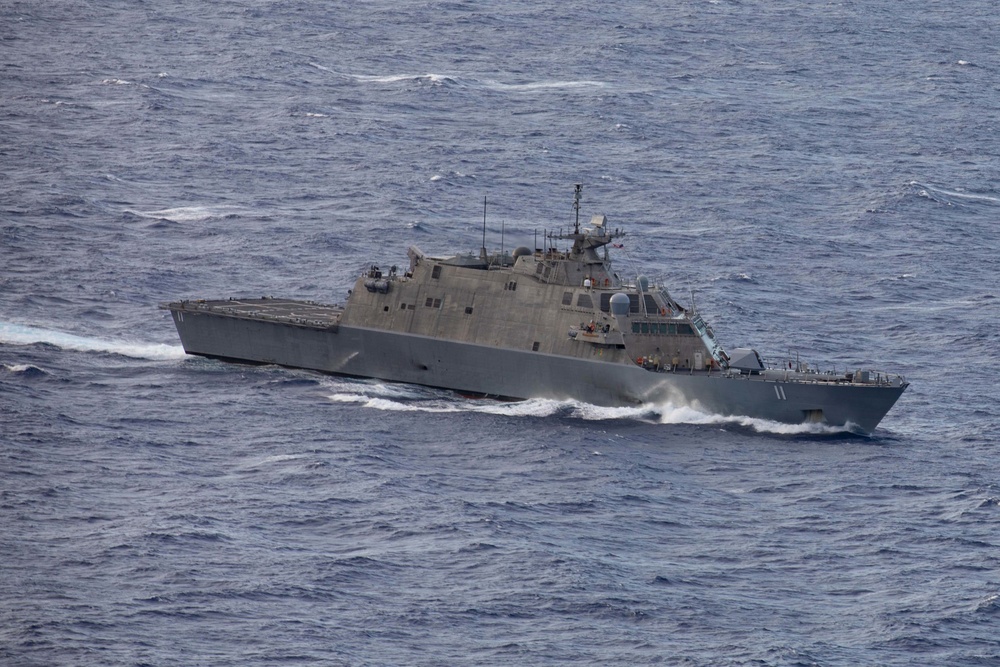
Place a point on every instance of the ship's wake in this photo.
(19, 334)
(407, 398)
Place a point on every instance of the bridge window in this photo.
(568, 298)
(436, 271)
(584, 301)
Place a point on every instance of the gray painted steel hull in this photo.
(510, 373)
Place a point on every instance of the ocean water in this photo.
(822, 178)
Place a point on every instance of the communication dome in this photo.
(643, 284)
(521, 251)
(620, 304)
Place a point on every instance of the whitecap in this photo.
(471, 82)
(452, 175)
(187, 213)
(737, 277)
(17, 334)
(387, 78)
(950, 197)
(279, 458)
(545, 85)
(22, 368)
(436, 79)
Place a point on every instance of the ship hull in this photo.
(520, 374)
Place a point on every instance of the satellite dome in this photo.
(643, 284)
(620, 304)
(521, 251)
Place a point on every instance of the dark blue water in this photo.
(823, 178)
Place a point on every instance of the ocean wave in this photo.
(189, 213)
(542, 85)
(273, 459)
(19, 334)
(24, 369)
(452, 175)
(740, 277)
(955, 197)
(460, 81)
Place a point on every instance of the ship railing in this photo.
(865, 377)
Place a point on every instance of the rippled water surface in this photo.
(822, 179)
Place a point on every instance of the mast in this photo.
(482, 252)
(576, 205)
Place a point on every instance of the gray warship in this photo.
(532, 323)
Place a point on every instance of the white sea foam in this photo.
(20, 368)
(18, 334)
(188, 213)
(937, 194)
(670, 414)
(544, 85)
(466, 81)
(435, 79)
(279, 458)
(452, 175)
(403, 398)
